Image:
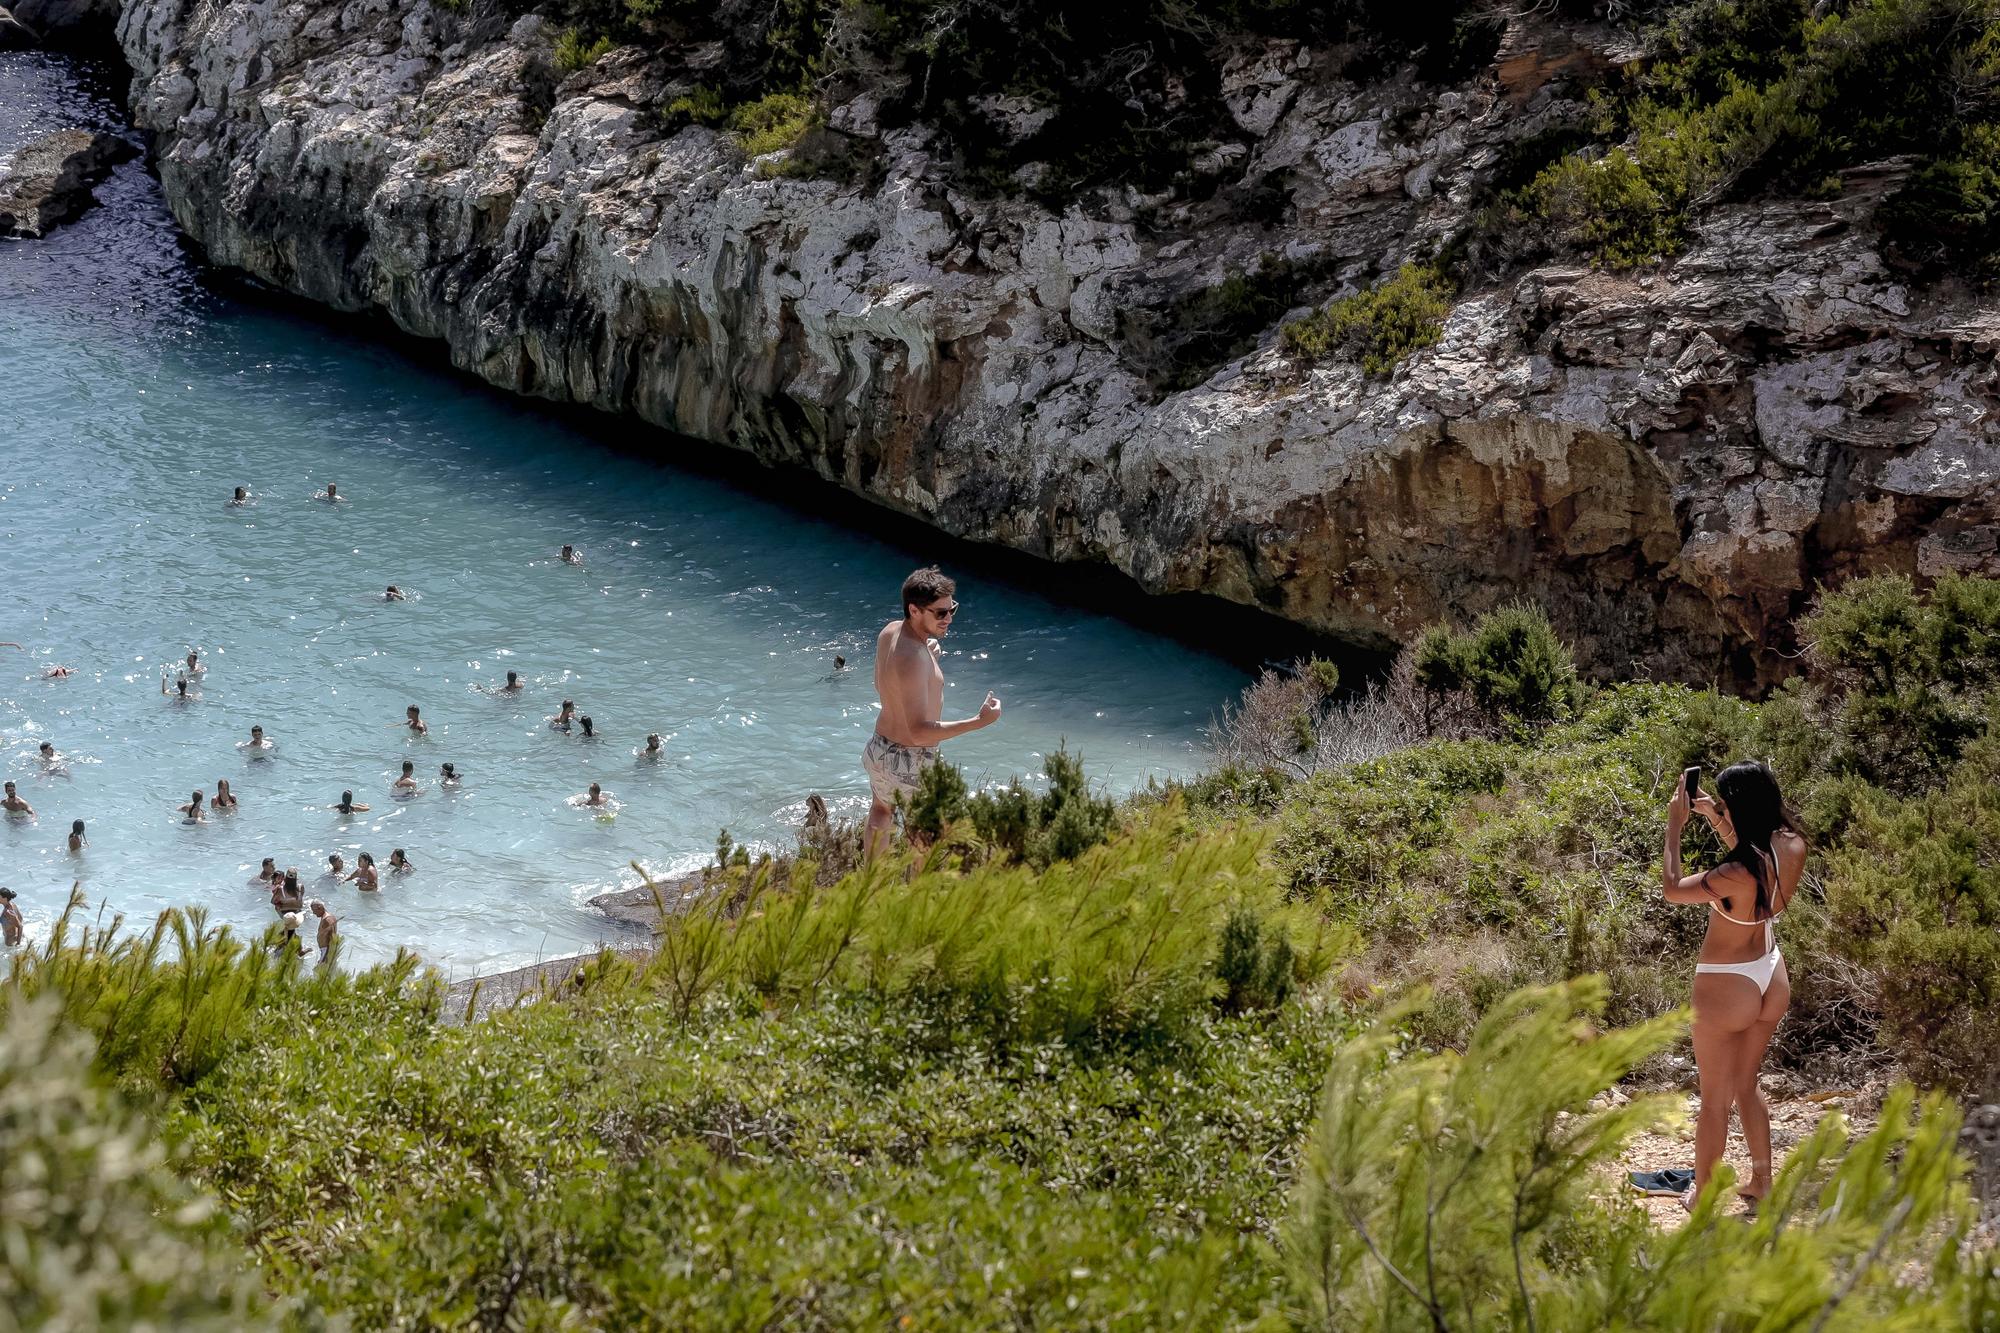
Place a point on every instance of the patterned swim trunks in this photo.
(894, 769)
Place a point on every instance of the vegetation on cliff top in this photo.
(1124, 1071)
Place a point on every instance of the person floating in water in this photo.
(12, 928)
(654, 751)
(262, 879)
(12, 803)
(225, 799)
(193, 809)
(585, 723)
(335, 867)
(52, 764)
(415, 722)
(329, 928)
(562, 719)
(447, 775)
(331, 494)
(364, 876)
(910, 683)
(570, 556)
(399, 862)
(596, 796)
(61, 672)
(407, 784)
(393, 594)
(346, 805)
(76, 838)
(180, 694)
(241, 498)
(257, 743)
(839, 664)
(513, 685)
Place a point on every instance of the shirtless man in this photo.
(335, 867)
(329, 926)
(513, 685)
(415, 722)
(652, 752)
(561, 721)
(262, 879)
(257, 742)
(407, 784)
(58, 672)
(14, 805)
(331, 494)
(193, 809)
(569, 556)
(394, 594)
(241, 498)
(194, 666)
(908, 730)
(346, 806)
(12, 928)
(52, 764)
(597, 796)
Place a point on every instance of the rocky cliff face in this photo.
(1669, 459)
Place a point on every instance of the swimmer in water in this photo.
(241, 498)
(12, 803)
(11, 926)
(399, 862)
(585, 723)
(364, 875)
(561, 720)
(447, 775)
(335, 867)
(597, 796)
(180, 693)
(257, 742)
(225, 799)
(653, 751)
(346, 805)
(513, 685)
(76, 839)
(194, 665)
(58, 672)
(262, 879)
(193, 809)
(52, 763)
(393, 594)
(408, 782)
(331, 494)
(569, 556)
(415, 722)
(839, 662)
(329, 927)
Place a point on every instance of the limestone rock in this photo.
(16, 35)
(49, 180)
(1670, 459)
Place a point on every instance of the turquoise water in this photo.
(139, 393)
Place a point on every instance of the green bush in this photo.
(575, 51)
(1459, 1192)
(774, 122)
(1510, 664)
(1012, 822)
(95, 1231)
(1379, 327)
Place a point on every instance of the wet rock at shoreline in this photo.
(639, 907)
(16, 35)
(49, 180)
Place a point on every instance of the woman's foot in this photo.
(1753, 1190)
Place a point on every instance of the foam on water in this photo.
(137, 397)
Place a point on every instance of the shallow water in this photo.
(138, 394)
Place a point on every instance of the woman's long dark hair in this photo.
(1757, 809)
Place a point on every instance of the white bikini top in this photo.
(1765, 922)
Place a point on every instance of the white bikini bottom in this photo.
(1759, 970)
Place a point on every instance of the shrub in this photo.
(574, 51)
(1510, 664)
(1448, 1192)
(1378, 327)
(1904, 676)
(95, 1231)
(774, 122)
(1063, 822)
(1283, 720)
(701, 106)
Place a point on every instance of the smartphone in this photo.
(1691, 779)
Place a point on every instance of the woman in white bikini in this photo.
(1741, 989)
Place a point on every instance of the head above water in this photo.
(652, 740)
(1749, 793)
(513, 678)
(568, 550)
(76, 827)
(8, 894)
(595, 790)
(47, 749)
(241, 493)
(409, 767)
(412, 712)
(585, 721)
(335, 861)
(256, 733)
(346, 798)
(182, 686)
(447, 770)
(331, 490)
(366, 860)
(270, 864)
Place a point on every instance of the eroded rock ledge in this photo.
(1669, 459)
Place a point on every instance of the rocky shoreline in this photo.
(1671, 459)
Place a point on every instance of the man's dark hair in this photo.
(926, 586)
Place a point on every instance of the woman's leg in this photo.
(1724, 1007)
(1753, 1110)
